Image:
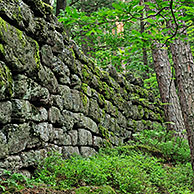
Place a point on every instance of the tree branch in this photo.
(176, 24)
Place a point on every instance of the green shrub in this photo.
(174, 149)
(126, 169)
(10, 182)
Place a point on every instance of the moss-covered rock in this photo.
(6, 81)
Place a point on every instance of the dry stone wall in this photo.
(53, 97)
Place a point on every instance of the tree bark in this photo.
(184, 70)
(61, 4)
(172, 110)
(162, 67)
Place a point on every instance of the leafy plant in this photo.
(174, 148)
(127, 169)
(10, 182)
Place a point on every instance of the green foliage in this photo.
(11, 182)
(152, 84)
(127, 169)
(95, 30)
(151, 164)
(173, 148)
(97, 34)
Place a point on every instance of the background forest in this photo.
(154, 40)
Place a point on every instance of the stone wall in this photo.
(53, 97)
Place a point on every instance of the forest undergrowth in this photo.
(155, 162)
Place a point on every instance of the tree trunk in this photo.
(184, 70)
(61, 4)
(162, 67)
(172, 110)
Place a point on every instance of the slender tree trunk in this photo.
(61, 4)
(172, 109)
(184, 70)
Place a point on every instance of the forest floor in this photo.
(149, 165)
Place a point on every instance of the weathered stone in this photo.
(84, 103)
(135, 112)
(31, 157)
(55, 116)
(84, 137)
(127, 109)
(61, 138)
(121, 80)
(86, 90)
(66, 95)
(18, 137)
(6, 80)
(3, 146)
(76, 82)
(12, 163)
(21, 110)
(28, 89)
(47, 78)
(87, 123)
(97, 141)
(70, 150)
(121, 120)
(44, 131)
(68, 58)
(78, 68)
(25, 55)
(105, 120)
(39, 114)
(116, 140)
(94, 110)
(112, 71)
(61, 71)
(69, 120)
(87, 151)
(118, 101)
(58, 46)
(58, 100)
(111, 109)
(47, 55)
(16, 13)
(6, 111)
(74, 137)
(76, 100)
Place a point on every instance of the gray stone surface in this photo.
(70, 150)
(55, 116)
(5, 112)
(98, 141)
(84, 137)
(44, 131)
(17, 137)
(87, 123)
(87, 151)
